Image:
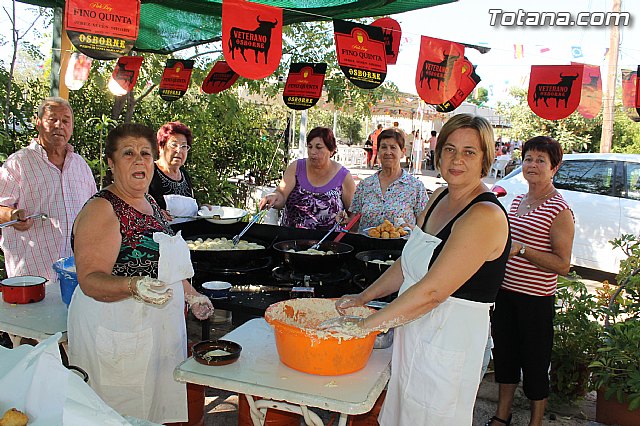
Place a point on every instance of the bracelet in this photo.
(133, 294)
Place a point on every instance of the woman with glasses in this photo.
(171, 185)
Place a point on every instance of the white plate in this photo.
(229, 215)
(365, 232)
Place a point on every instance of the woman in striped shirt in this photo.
(542, 229)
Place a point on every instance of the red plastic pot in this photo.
(23, 289)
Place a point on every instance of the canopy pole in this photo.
(302, 138)
(61, 47)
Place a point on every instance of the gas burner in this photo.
(282, 273)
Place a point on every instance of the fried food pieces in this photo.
(14, 417)
(386, 230)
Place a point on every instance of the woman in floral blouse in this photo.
(391, 193)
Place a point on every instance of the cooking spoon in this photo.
(43, 216)
(258, 216)
(316, 246)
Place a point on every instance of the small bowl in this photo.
(201, 352)
(216, 289)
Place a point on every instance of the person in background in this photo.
(504, 154)
(433, 140)
(126, 322)
(374, 139)
(447, 277)
(313, 190)
(171, 185)
(542, 229)
(368, 147)
(45, 177)
(417, 151)
(390, 193)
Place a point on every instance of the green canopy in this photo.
(170, 25)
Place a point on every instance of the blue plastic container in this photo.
(66, 270)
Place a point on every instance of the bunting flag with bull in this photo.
(220, 78)
(175, 79)
(468, 82)
(638, 91)
(102, 30)
(555, 90)
(125, 75)
(439, 70)
(591, 96)
(392, 34)
(304, 84)
(77, 71)
(361, 53)
(251, 38)
(629, 92)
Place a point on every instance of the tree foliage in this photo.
(575, 133)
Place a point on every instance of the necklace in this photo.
(538, 199)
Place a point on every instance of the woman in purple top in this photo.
(314, 189)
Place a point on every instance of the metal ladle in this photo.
(316, 246)
(42, 216)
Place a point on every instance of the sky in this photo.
(469, 21)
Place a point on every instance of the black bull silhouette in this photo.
(439, 71)
(123, 74)
(220, 78)
(558, 91)
(258, 40)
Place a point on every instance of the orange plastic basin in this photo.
(325, 354)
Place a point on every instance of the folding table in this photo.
(260, 373)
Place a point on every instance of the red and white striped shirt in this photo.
(532, 229)
(29, 181)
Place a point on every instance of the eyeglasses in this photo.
(173, 145)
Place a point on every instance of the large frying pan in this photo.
(309, 263)
(372, 271)
(229, 258)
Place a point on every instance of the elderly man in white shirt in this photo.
(44, 177)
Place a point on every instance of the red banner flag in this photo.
(125, 75)
(77, 71)
(251, 38)
(102, 30)
(638, 91)
(468, 82)
(392, 33)
(591, 93)
(304, 85)
(361, 53)
(220, 78)
(439, 69)
(629, 83)
(175, 79)
(554, 90)
(629, 93)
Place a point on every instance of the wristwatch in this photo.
(523, 248)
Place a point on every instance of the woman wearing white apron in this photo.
(126, 322)
(447, 278)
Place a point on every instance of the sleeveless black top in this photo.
(484, 284)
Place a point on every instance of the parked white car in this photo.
(603, 191)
